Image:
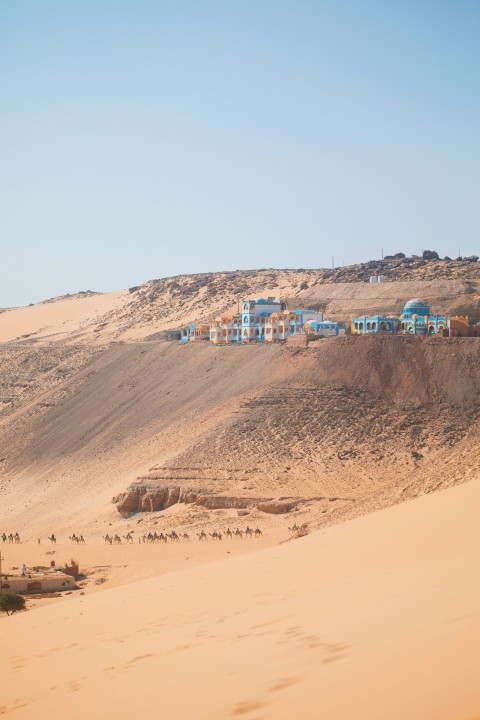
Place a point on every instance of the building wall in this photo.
(38, 582)
(460, 327)
(369, 324)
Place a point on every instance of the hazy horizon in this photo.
(149, 139)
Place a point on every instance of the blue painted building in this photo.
(264, 320)
(374, 324)
(414, 320)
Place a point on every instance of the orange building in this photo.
(461, 326)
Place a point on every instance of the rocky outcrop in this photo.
(277, 507)
(145, 498)
(213, 502)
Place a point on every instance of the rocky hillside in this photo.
(92, 399)
(347, 424)
(144, 312)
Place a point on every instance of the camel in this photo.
(258, 533)
(128, 537)
(248, 532)
(186, 536)
(202, 535)
(4, 537)
(215, 535)
(117, 540)
(79, 539)
(52, 539)
(229, 533)
(238, 534)
(108, 539)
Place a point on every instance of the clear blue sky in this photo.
(141, 139)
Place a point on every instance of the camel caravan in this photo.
(11, 538)
(174, 536)
(150, 537)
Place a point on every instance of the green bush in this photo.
(11, 602)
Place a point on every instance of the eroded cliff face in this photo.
(147, 498)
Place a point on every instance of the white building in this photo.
(262, 320)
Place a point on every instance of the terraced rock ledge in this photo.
(140, 497)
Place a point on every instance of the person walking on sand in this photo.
(24, 569)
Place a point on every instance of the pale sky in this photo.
(142, 139)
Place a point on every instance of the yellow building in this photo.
(460, 326)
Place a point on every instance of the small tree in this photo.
(11, 602)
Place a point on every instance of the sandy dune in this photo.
(57, 320)
(377, 618)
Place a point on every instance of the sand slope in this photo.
(336, 424)
(377, 618)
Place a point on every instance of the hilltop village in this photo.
(269, 320)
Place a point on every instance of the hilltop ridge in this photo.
(143, 312)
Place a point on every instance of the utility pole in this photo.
(333, 262)
(382, 254)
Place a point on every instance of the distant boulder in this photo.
(430, 255)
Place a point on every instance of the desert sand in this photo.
(373, 441)
(375, 618)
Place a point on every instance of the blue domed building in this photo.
(415, 307)
(416, 320)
